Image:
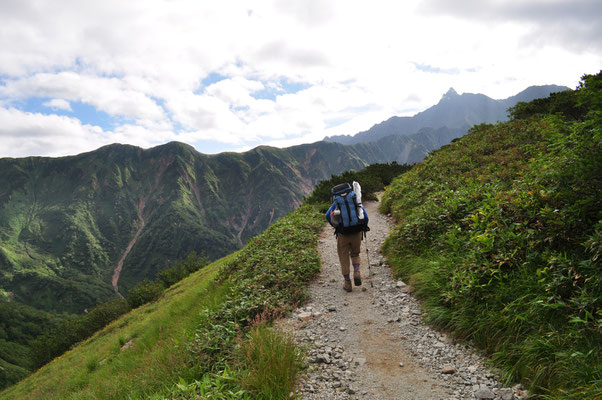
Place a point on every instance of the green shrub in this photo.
(222, 385)
(144, 292)
(372, 179)
(182, 269)
(75, 329)
(267, 277)
(11, 373)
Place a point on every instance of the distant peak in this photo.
(451, 93)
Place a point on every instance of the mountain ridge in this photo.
(78, 213)
(453, 111)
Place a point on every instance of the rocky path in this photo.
(372, 344)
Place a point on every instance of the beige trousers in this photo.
(348, 246)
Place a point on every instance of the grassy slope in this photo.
(190, 333)
(500, 233)
(97, 368)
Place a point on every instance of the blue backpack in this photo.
(346, 202)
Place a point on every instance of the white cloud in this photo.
(142, 63)
(575, 24)
(53, 135)
(58, 104)
(111, 95)
(45, 135)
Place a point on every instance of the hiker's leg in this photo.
(343, 247)
(355, 242)
(355, 245)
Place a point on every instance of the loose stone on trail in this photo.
(484, 393)
(448, 369)
(305, 315)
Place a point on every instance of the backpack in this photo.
(346, 202)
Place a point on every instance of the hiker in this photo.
(350, 220)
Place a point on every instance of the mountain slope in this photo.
(74, 230)
(189, 334)
(500, 233)
(67, 223)
(99, 366)
(453, 111)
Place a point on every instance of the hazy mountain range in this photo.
(455, 112)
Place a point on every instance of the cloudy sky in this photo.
(230, 75)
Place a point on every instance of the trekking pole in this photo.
(368, 259)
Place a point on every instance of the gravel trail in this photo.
(372, 344)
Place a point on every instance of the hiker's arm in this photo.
(365, 216)
(328, 213)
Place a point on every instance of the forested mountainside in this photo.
(73, 230)
(455, 112)
(67, 224)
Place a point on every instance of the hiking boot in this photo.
(347, 286)
(357, 278)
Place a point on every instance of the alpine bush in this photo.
(373, 178)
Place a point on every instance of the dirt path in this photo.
(372, 344)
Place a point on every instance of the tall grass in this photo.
(271, 362)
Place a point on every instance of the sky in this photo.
(231, 75)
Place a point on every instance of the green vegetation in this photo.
(101, 368)
(181, 270)
(373, 178)
(271, 362)
(30, 338)
(207, 335)
(19, 326)
(119, 185)
(186, 343)
(500, 232)
(72, 330)
(266, 278)
(66, 222)
(75, 329)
